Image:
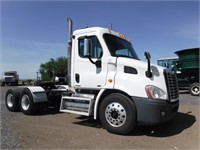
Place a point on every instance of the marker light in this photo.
(119, 35)
(110, 80)
(154, 92)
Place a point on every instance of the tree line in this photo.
(52, 68)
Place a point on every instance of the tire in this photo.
(27, 105)
(194, 89)
(117, 113)
(12, 100)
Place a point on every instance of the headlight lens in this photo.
(154, 92)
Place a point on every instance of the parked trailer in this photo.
(186, 66)
(106, 81)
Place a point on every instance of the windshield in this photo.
(119, 47)
(9, 74)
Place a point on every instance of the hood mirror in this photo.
(148, 72)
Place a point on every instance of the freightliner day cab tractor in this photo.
(106, 81)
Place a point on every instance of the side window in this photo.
(96, 50)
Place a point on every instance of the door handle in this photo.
(77, 77)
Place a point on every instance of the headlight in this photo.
(154, 92)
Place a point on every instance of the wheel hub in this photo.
(115, 114)
(25, 103)
(195, 90)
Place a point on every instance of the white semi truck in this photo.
(10, 77)
(106, 81)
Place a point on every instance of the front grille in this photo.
(172, 86)
(8, 79)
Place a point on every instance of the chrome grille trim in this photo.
(172, 86)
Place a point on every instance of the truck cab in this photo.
(109, 82)
(10, 77)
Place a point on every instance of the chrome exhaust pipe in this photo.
(69, 49)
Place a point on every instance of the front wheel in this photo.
(27, 105)
(117, 113)
(194, 89)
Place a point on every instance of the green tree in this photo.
(52, 68)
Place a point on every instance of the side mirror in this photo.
(148, 72)
(87, 47)
(86, 52)
(147, 55)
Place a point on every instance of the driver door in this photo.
(86, 74)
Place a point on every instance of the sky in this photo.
(32, 32)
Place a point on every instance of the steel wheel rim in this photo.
(115, 114)
(195, 89)
(10, 100)
(25, 103)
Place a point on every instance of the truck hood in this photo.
(140, 65)
(132, 74)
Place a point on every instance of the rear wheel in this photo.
(12, 100)
(117, 114)
(27, 105)
(194, 89)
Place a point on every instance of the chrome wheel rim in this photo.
(115, 114)
(25, 103)
(195, 89)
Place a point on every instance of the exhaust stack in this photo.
(69, 49)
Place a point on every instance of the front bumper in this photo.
(152, 112)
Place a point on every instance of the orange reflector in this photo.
(110, 80)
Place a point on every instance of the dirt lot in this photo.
(54, 130)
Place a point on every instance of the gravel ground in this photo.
(67, 131)
(8, 140)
